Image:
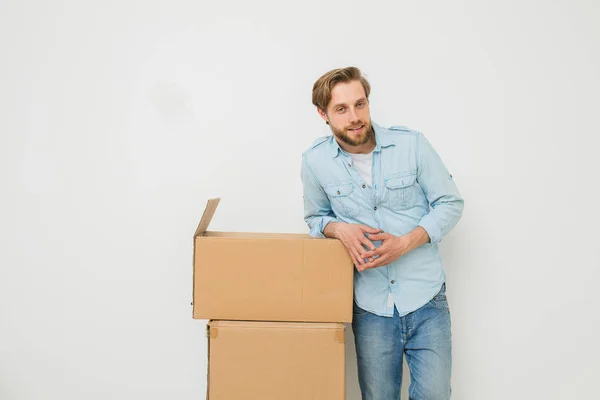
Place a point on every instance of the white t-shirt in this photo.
(364, 165)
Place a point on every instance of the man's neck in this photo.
(361, 149)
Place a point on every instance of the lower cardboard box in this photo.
(275, 361)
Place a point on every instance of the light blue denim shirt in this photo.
(411, 187)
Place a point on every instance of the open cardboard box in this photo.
(269, 276)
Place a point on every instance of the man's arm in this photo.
(446, 203)
(322, 221)
(317, 209)
(446, 207)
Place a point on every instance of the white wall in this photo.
(120, 118)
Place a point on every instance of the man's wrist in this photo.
(418, 237)
(330, 230)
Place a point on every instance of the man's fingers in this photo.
(378, 262)
(379, 236)
(354, 254)
(358, 259)
(377, 252)
(360, 252)
(368, 244)
(356, 263)
(368, 229)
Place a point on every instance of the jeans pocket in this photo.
(440, 303)
(440, 300)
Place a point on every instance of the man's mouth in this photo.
(356, 129)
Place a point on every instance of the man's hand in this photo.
(393, 247)
(353, 237)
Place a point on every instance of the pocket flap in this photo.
(401, 181)
(336, 190)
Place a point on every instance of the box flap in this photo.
(209, 211)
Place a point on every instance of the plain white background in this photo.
(120, 119)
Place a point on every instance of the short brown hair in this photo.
(321, 94)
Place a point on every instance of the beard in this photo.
(343, 135)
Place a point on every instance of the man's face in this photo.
(348, 114)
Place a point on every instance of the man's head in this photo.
(342, 100)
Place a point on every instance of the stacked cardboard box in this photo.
(276, 305)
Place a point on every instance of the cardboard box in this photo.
(269, 276)
(276, 361)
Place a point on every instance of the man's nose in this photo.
(352, 115)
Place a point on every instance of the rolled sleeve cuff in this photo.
(319, 226)
(432, 228)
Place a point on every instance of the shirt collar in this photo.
(382, 139)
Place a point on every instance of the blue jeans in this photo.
(423, 335)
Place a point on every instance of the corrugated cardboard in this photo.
(276, 361)
(270, 276)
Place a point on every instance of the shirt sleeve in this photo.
(317, 209)
(446, 203)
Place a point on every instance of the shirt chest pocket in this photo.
(341, 199)
(401, 190)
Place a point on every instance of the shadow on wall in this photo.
(352, 388)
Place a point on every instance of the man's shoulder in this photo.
(317, 144)
(399, 135)
(398, 130)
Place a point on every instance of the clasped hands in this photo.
(359, 239)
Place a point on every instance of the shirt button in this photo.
(364, 186)
(375, 208)
(338, 192)
(393, 281)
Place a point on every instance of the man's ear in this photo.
(323, 115)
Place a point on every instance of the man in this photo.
(387, 196)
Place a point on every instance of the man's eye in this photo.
(361, 104)
(341, 109)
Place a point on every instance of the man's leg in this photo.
(379, 351)
(429, 350)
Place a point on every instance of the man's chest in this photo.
(394, 182)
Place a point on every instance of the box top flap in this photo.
(209, 211)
